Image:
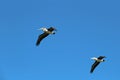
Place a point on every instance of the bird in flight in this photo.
(45, 34)
(97, 61)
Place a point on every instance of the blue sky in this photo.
(85, 29)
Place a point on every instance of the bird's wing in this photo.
(42, 36)
(101, 57)
(94, 66)
(51, 29)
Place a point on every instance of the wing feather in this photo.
(101, 57)
(51, 29)
(94, 66)
(41, 37)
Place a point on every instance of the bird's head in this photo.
(103, 60)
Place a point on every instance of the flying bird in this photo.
(45, 34)
(97, 61)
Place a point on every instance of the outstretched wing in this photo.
(41, 37)
(94, 66)
(101, 57)
(51, 29)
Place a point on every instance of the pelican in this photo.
(45, 34)
(97, 61)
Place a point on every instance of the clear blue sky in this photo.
(85, 29)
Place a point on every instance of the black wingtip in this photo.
(91, 72)
(37, 44)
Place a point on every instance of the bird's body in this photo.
(97, 61)
(45, 34)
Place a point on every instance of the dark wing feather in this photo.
(94, 66)
(41, 37)
(51, 29)
(101, 57)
